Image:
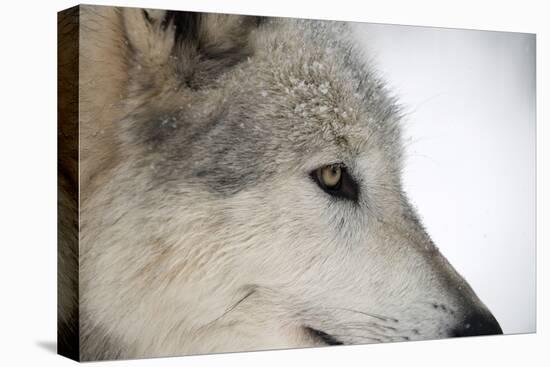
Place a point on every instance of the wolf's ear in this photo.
(198, 47)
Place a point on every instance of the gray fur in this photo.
(229, 119)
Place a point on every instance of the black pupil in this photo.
(334, 173)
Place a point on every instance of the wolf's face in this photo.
(254, 200)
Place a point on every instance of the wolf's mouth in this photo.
(322, 336)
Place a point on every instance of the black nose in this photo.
(478, 324)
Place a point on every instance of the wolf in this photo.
(239, 189)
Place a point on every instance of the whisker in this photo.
(366, 325)
(404, 337)
(241, 300)
(361, 326)
(376, 316)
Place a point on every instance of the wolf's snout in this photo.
(478, 324)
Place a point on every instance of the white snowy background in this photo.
(469, 98)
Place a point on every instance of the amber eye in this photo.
(335, 180)
(330, 175)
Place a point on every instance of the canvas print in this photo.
(234, 183)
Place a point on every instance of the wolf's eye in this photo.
(331, 175)
(335, 180)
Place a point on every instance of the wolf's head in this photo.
(250, 197)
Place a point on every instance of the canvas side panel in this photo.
(68, 183)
